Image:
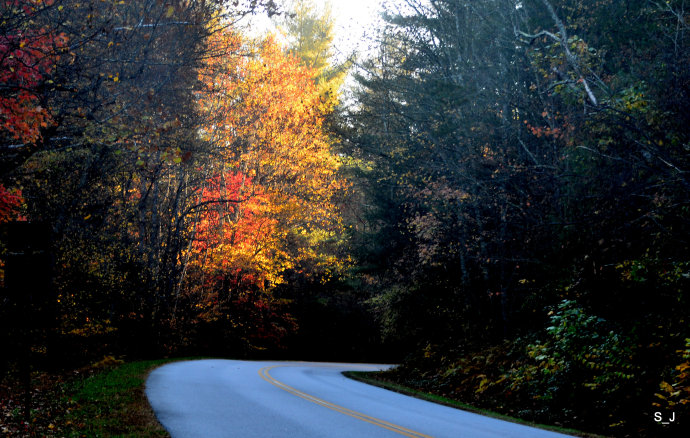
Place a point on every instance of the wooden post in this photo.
(28, 291)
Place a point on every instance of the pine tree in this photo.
(310, 35)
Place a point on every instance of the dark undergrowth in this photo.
(489, 382)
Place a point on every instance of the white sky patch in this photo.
(355, 22)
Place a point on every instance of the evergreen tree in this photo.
(310, 35)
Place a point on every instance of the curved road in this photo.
(244, 399)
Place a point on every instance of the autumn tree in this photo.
(28, 53)
(266, 205)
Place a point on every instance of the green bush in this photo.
(582, 366)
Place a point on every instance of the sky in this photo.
(355, 20)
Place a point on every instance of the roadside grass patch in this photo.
(113, 403)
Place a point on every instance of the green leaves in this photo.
(580, 349)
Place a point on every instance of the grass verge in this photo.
(373, 378)
(113, 403)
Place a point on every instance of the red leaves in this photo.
(27, 57)
(544, 131)
(10, 201)
(23, 117)
(232, 220)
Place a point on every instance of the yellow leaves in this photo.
(666, 387)
(169, 11)
(263, 114)
(484, 383)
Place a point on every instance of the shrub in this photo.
(582, 367)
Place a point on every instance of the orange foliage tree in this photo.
(267, 205)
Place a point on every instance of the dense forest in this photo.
(498, 198)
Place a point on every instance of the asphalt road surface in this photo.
(244, 399)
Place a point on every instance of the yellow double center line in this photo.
(264, 373)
